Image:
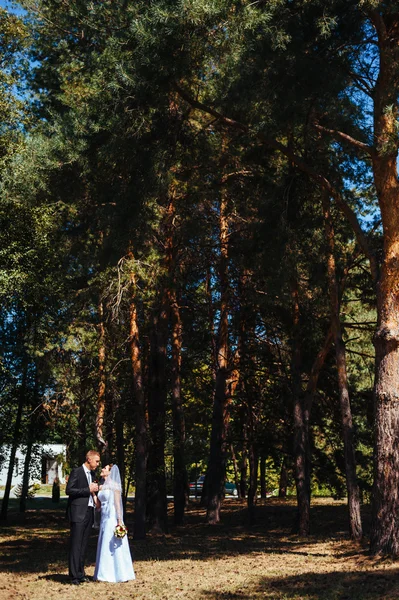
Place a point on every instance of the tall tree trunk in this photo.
(385, 509)
(156, 477)
(120, 447)
(355, 522)
(262, 476)
(16, 436)
(156, 484)
(301, 431)
(211, 323)
(235, 467)
(27, 461)
(244, 459)
(216, 472)
(82, 429)
(283, 481)
(253, 480)
(101, 397)
(252, 455)
(29, 444)
(180, 483)
(310, 392)
(140, 419)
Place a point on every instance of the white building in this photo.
(45, 465)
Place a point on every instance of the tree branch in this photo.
(379, 24)
(302, 165)
(340, 135)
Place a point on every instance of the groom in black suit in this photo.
(80, 513)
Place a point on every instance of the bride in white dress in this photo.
(113, 560)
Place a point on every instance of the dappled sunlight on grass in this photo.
(228, 561)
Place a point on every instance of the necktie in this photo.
(88, 474)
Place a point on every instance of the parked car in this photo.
(230, 488)
(196, 487)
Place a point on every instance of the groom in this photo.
(80, 513)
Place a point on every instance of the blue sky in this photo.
(11, 7)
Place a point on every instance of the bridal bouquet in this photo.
(120, 531)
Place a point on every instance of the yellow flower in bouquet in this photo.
(120, 531)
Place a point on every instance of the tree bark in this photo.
(235, 467)
(263, 476)
(101, 398)
(244, 460)
(120, 449)
(283, 481)
(301, 432)
(180, 479)
(156, 477)
(25, 477)
(216, 472)
(140, 419)
(14, 447)
(253, 480)
(29, 444)
(355, 522)
(385, 504)
(81, 429)
(211, 322)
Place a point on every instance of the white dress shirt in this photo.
(89, 481)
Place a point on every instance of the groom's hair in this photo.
(92, 453)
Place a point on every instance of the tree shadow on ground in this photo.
(37, 542)
(335, 585)
(57, 578)
(271, 533)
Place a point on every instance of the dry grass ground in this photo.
(199, 562)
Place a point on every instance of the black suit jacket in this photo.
(78, 493)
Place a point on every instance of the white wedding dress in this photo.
(113, 560)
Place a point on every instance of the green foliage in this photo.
(32, 489)
(86, 187)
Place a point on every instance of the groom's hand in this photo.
(93, 487)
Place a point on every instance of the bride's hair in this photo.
(113, 482)
(103, 479)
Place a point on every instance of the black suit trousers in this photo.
(79, 538)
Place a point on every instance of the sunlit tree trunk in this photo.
(216, 472)
(385, 509)
(101, 393)
(120, 447)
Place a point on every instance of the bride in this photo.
(113, 560)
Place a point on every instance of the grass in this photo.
(229, 561)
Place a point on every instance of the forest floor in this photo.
(229, 561)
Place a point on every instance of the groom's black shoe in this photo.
(84, 580)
